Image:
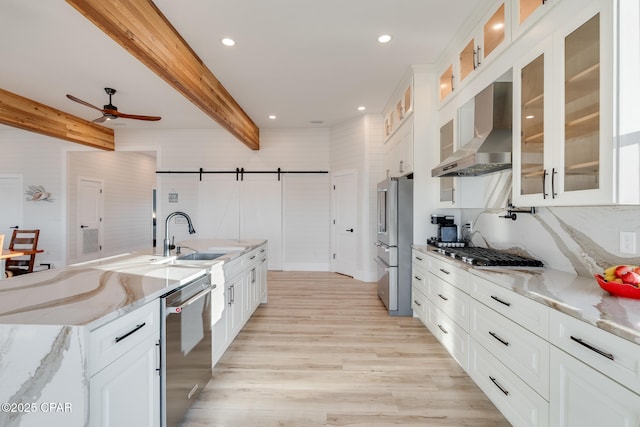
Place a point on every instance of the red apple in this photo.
(622, 270)
(631, 278)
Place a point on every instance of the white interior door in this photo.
(261, 213)
(90, 206)
(219, 207)
(345, 218)
(10, 205)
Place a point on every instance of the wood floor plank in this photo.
(324, 352)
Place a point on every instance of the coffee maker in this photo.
(447, 231)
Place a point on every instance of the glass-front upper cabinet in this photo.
(563, 152)
(527, 12)
(532, 111)
(582, 107)
(446, 149)
(446, 83)
(483, 42)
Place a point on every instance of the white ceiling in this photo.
(302, 60)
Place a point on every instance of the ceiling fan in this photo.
(110, 111)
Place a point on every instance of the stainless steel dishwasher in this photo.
(186, 347)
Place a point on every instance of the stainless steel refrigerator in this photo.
(395, 236)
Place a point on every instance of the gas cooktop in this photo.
(485, 257)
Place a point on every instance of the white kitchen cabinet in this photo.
(245, 288)
(399, 156)
(584, 397)
(564, 123)
(518, 402)
(124, 388)
(525, 14)
(127, 392)
(525, 354)
(448, 306)
(487, 40)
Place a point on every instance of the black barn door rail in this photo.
(239, 172)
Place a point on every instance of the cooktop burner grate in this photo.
(486, 257)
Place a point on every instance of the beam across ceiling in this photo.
(30, 115)
(141, 28)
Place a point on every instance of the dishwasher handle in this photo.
(178, 309)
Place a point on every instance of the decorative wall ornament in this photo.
(37, 193)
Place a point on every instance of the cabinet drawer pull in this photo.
(592, 348)
(133, 331)
(417, 303)
(444, 271)
(418, 258)
(493, 334)
(443, 297)
(502, 389)
(442, 329)
(508, 304)
(417, 278)
(252, 257)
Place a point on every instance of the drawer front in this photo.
(419, 279)
(450, 273)
(451, 336)
(109, 342)
(450, 300)
(419, 304)
(581, 396)
(420, 260)
(526, 354)
(615, 357)
(525, 312)
(513, 397)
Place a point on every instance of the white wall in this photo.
(40, 160)
(358, 145)
(305, 197)
(129, 179)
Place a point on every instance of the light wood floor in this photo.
(323, 352)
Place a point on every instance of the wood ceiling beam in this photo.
(141, 28)
(30, 115)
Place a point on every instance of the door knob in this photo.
(15, 227)
(350, 230)
(84, 226)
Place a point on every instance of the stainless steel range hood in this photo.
(490, 149)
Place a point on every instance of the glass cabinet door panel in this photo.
(527, 7)
(582, 107)
(494, 31)
(446, 149)
(446, 83)
(532, 125)
(467, 60)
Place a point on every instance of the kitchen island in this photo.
(52, 324)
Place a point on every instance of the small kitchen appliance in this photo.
(447, 231)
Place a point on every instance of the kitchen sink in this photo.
(199, 256)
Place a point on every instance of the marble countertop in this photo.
(577, 296)
(94, 293)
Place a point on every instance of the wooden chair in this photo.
(22, 240)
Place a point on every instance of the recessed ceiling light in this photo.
(362, 108)
(228, 42)
(272, 117)
(385, 38)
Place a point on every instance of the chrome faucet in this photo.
(167, 243)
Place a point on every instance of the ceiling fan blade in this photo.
(134, 116)
(80, 101)
(100, 119)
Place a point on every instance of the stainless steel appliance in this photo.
(395, 236)
(486, 257)
(186, 347)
